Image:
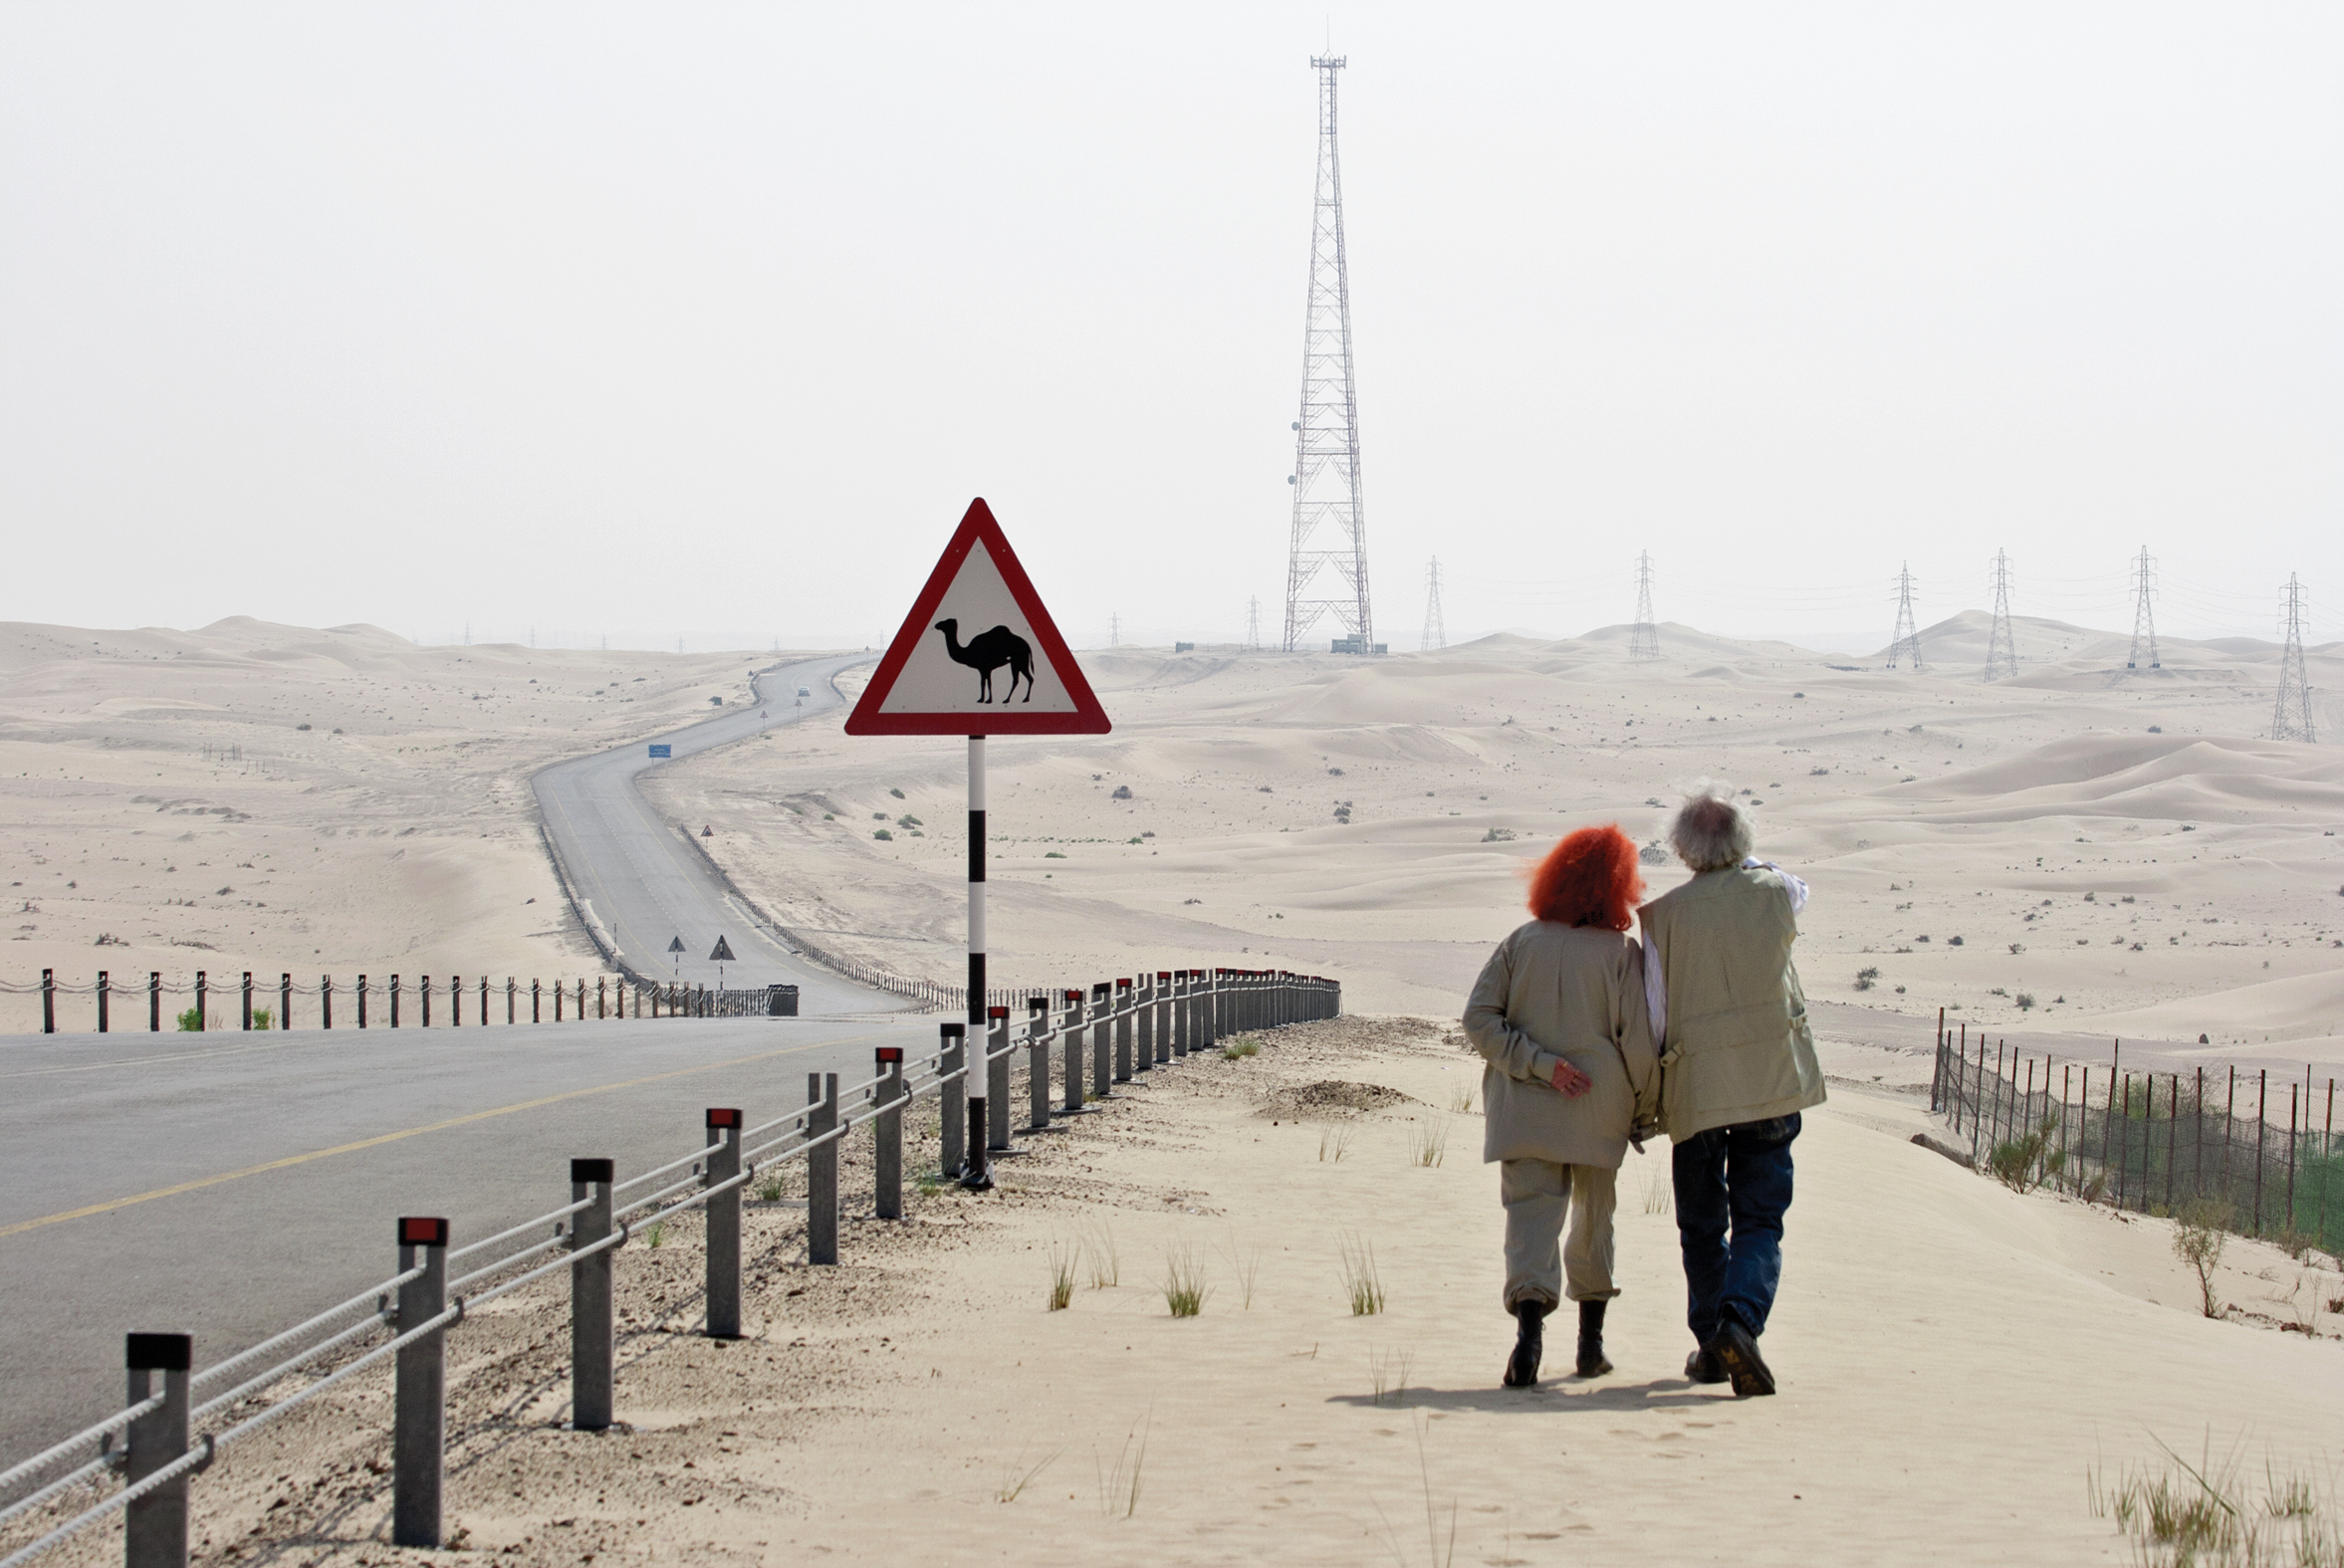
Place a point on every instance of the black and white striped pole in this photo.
(976, 1174)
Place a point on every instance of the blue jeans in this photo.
(1732, 1185)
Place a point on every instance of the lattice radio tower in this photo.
(2291, 720)
(1644, 637)
(1327, 569)
(1436, 630)
(2002, 653)
(1907, 643)
(2144, 619)
(1253, 623)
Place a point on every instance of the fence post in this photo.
(723, 1225)
(456, 1001)
(510, 987)
(2261, 1125)
(202, 1001)
(1143, 1017)
(1167, 1045)
(283, 1001)
(102, 1001)
(484, 1002)
(248, 998)
(537, 995)
(154, 1529)
(394, 1002)
(601, 997)
(325, 1001)
(821, 1169)
(49, 1001)
(593, 1333)
(1102, 1066)
(952, 1099)
(361, 1001)
(997, 1079)
(420, 1421)
(1037, 1063)
(155, 1001)
(1124, 1000)
(887, 1135)
(559, 997)
(424, 988)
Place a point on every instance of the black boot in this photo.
(1591, 1361)
(1522, 1368)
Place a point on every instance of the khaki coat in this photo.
(1736, 1044)
(1576, 994)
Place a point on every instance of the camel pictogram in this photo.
(989, 651)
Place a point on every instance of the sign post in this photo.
(1013, 675)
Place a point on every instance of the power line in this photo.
(2001, 654)
(1907, 641)
(2144, 618)
(1327, 436)
(2291, 718)
(1644, 637)
(1436, 631)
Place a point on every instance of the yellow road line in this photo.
(112, 1204)
(150, 1061)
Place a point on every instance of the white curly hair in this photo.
(1709, 832)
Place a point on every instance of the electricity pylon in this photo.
(1907, 643)
(2144, 619)
(2001, 654)
(1644, 637)
(2291, 720)
(1328, 576)
(1436, 631)
(1114, 630)
(1253, 623)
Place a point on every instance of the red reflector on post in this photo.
(415, 1231)
(723, 1116)
(889, 1054)
(997, 1013)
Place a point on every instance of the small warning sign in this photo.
(676, 946)
(723, 953)
(979, 654)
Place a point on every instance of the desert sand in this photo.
(1956, 1360)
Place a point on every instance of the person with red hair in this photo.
(1559, 1016)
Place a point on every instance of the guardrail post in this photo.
(202, 1000)
(101, 999)
(952, 1099)
(601, 997)
(594, 1341)
(456, 1001)
(1037, 1063)
(821, 1169)
(424, 987)
(887, 1136)
(394, 1002)
(283, 1001)
(1102, 1065)
(248, 998)
(510, 987)
(1123, 1005)
(1169, 1041)
(362, 994)
(1072, 1023)
(418, 1439)
(155, 1001)
(997, 1079)
(49, 1001)
(1143, 1010)
(723, 1225)
(154, 1529)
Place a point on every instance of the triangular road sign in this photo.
(978, 656)
(723, 953)
(677, 946)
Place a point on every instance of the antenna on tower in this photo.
(2291, 720)
(2144, 619)
(2002, 653)
(1644, 637)
(1253, 623)
(1327, 578)
(1907, 643)
(1436, 631)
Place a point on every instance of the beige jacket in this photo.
(1563, 994)
(1736, 1046)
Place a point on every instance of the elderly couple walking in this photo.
(1594, 1040)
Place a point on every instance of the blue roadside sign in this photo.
(658, 750)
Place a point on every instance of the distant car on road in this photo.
(806, 691)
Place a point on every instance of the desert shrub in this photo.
(2198, 1232)
(191, 1022)
(882, 834)
(1867, 976)
(2025, 1000)
(2029, 1161)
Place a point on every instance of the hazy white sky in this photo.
(707, 320)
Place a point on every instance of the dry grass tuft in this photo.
(1184, 1289)
(1361, 1282)
(2209, 1515)
(1430, 1145)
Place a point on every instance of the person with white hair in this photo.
(1738, 1064)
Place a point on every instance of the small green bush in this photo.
(191, 1022)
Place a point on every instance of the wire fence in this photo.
(1115, 1032)
(2263, 1153)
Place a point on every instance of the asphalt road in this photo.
(232, 1185)
(643, 886)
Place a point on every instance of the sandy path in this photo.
(1953, 1355)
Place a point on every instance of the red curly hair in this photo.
(1589, 879)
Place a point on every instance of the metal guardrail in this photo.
(1129, 1027)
